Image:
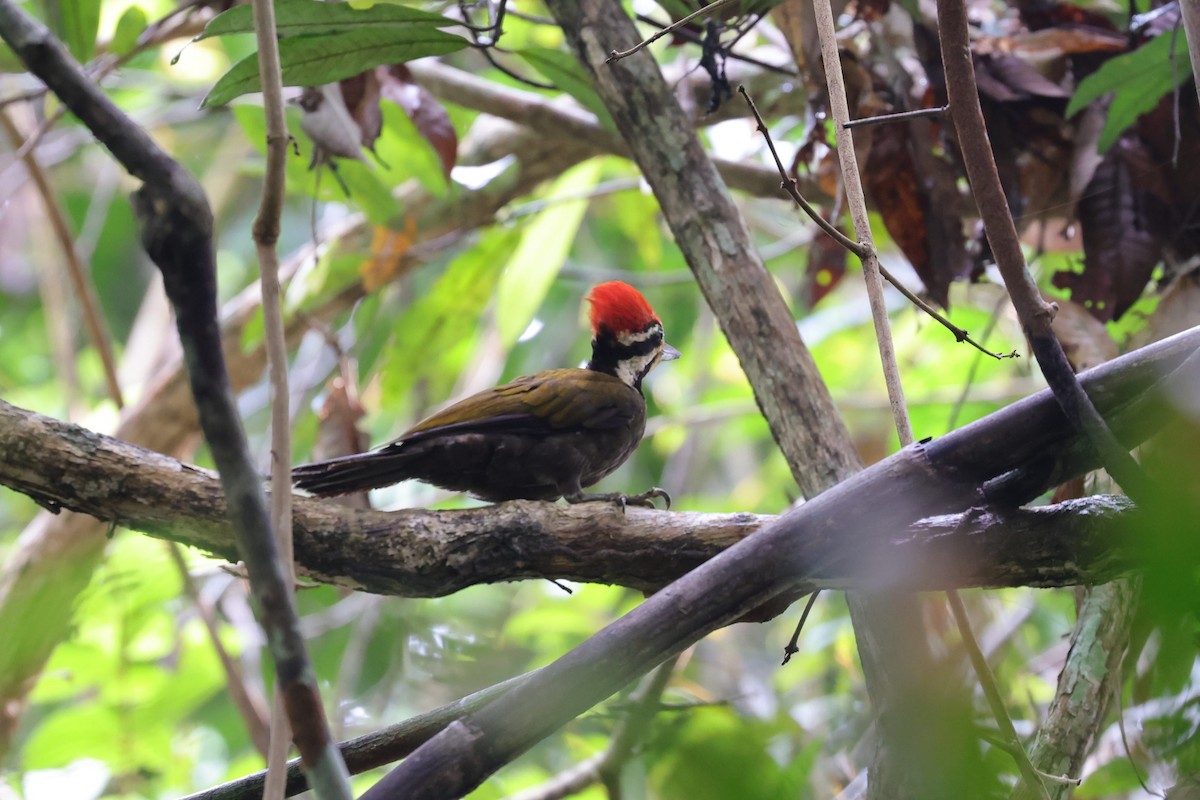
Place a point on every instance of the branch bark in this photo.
(423, 553)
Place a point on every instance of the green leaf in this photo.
(407, 153)
(1138, 80)
(76, 23)
(129, 28)
(315, 18)
(542, 251)
(564, 71)
(317, 60)
(443, 318)
(9, 61)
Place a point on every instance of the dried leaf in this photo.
(1006, 78)
(1085, 339)
(428, 115)
(388, 248)
(361, 94)
(897, 192)
(338, 433)
(1040, 14)
(1123, 214)
(1068, 40)
(825, 268)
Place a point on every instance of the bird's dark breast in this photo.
(499, 466)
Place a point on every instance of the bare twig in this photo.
(1035, 313)
(987, 680)
(249, 705)
(93, 318)
(694, 38)
(176, 231)
(852, 184)
(701, 13)
(328, 775)
(871, 268)
(788, 184)
(897, 117)
(556, 120)
(792, 646)
(960, 334)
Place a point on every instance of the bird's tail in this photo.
(356, 473)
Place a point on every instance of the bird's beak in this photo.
(669, 353)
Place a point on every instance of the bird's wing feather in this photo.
(539, 404)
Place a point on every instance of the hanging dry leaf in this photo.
(1123, 213)
(361, 94)
(825, 267)
(388, 248)
(396, 84)
(338, 433)
(1085, 339)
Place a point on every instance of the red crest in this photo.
(617, 306)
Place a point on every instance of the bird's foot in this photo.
(645, 499)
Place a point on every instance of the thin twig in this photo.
(792, 646)
(1035, 313)
(701, 13)
(960, 334)
(788, 184)
(249, 705)
(974, 368)
(329, 777)
(872, 271)
(93, 318)
(987, 681)
(899, 116)
(694, 38)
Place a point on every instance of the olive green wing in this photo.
(554, 401)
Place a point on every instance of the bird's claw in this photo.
(645, 499)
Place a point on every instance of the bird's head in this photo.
(627, 336)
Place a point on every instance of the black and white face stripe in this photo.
(628, 355)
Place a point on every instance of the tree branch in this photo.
(1090, 677)
(560, 121)
(423, 553)
(1034, 313)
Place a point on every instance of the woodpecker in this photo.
(540, 437)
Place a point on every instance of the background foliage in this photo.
(134, 701)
